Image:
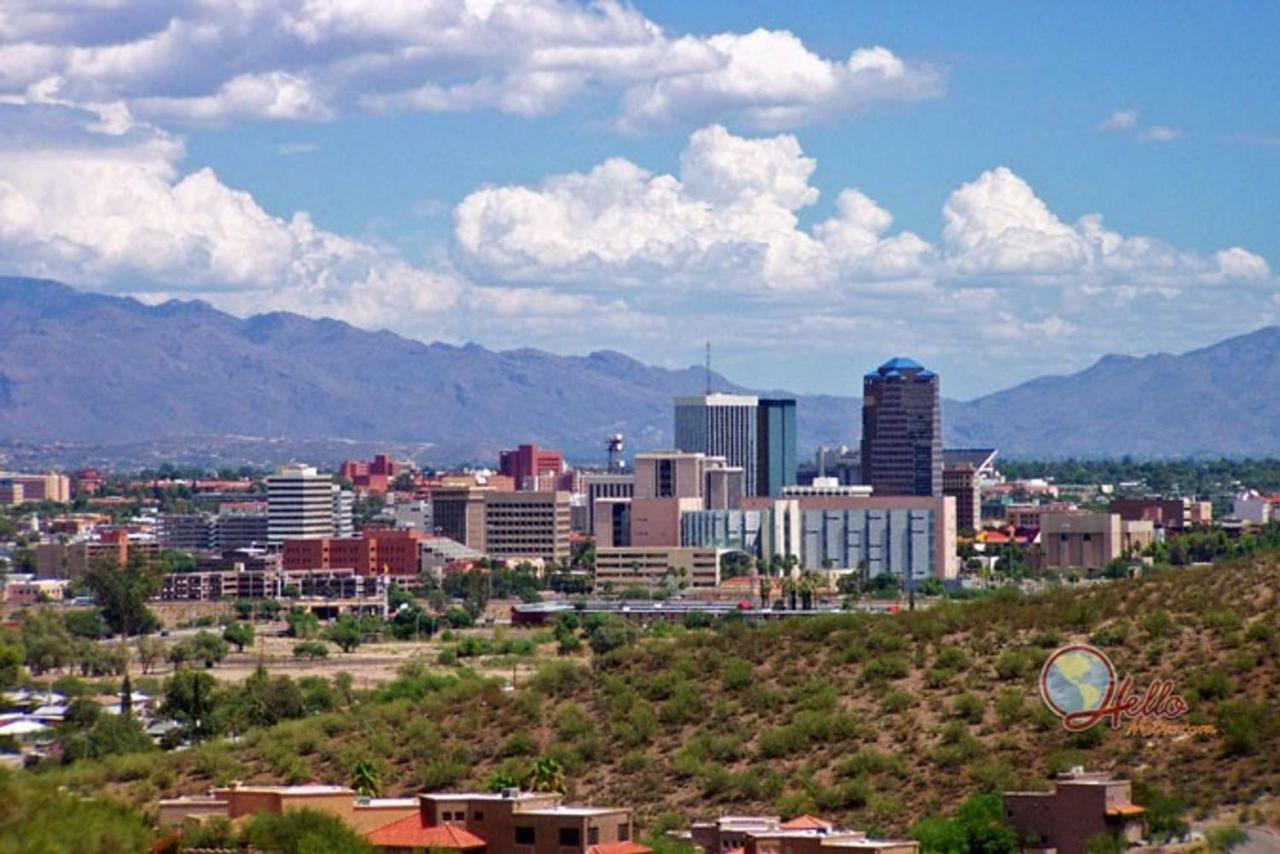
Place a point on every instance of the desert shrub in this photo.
(1214, 685)
(870, 761)
(1221, 621)
(1014, 664)
(952, 658)
(886, 667)
(519, 744)
(737, 674)
(1246, 726)
(1011, 707)
(559, 678)
(1113, 634)
(1158, 624)
(970, 707)
(896, 700)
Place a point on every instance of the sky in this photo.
(998, 190)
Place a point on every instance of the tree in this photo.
(302, 832)
(346, 633)
(46, 642)
(150, 651)
(238, 634)
(978, 827)
(122, 593)
(190, 698)
(311, 650)
(546, 775)
(499, 780)
(365, 779)
(263, 701)
(10, 660)
(302, 623)
(202, 646)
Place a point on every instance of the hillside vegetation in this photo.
(875, 721)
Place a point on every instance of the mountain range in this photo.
(85, 369)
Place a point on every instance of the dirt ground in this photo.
(371, 664)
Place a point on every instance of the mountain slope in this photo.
(1218, 400)
(89, 368)
(105, 370)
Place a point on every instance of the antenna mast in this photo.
(708, 367)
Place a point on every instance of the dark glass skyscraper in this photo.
(902, 430)
(775, 445)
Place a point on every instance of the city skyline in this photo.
(1003, 195)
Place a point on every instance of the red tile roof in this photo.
(410, 832)
(806, 822)
(620, 848)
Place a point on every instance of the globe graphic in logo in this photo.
(1076, 678)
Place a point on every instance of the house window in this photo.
(624, 832)
(525, 836)
(477, 816)
(570, 837)
(593, 836)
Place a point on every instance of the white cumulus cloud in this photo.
(295, 60)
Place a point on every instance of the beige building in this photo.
(1082, 540)
(677, 474)
(653, 568)
(655, 522)
(457, 512)
(17, 488)
(237, 801)
(527, 525)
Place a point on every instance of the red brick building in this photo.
(376, 552)
(528, 464)
(376, 475)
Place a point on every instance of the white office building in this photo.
(300, 504)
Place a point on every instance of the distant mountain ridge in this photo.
(105, 370)
(82, 367)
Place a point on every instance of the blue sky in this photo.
(448, 163)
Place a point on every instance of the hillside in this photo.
(1215, 401)
(87, 368)
(875, 720)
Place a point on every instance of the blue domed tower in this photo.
(902, 429)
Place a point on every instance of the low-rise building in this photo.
(50, 486)
(657, 567)
(527, 525)
(1083, 540)
(804, 834)
(1081, 806)
(1174, 515)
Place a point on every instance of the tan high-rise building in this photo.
(678, 474)
(457, 512)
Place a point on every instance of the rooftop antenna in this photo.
(708, 367)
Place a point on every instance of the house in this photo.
(1081, 806)
(237, 801)
(804, 834)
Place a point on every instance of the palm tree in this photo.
(365, 779)
(546, 775)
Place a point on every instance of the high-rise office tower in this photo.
(775, 445)
(902, 430)
(720, 425)
(300, 504)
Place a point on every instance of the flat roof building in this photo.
(300, 504)
(1081, 806)
(527, 525)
